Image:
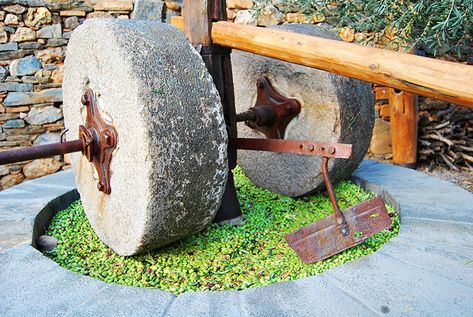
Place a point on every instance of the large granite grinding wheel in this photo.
(334, 109)
(170, 167)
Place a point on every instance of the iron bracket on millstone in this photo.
(102, 140)
(272, 111)
(97, 141)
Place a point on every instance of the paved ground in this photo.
(427, 270)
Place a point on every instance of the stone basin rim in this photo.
(420, 200)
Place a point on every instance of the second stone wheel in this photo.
(169, 169)
(334, 109)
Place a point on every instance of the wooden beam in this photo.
(424, 76)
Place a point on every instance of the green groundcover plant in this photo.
(220, 257)
(439, 26)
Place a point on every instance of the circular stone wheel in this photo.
(334, 109)
(170, 167)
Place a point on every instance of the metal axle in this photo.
(41, 151)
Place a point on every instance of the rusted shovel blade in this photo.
(322, 239)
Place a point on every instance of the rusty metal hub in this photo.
(100, 140)
(272, 111)
(97, 141)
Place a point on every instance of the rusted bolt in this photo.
(311, 147)
(301, 146)
(107, 139)
(331, 150)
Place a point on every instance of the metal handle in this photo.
(342, 224)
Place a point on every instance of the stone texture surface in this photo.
(11, 180)
(46, 243)
(57, 5)
(3, 35)
(41, 167)
(50, 32)
(20, 205)
(113, 5)
(9, 47)
(38, 116)
(334, 109)
(172, 141)
(16, 9)
(71, 23)
(23, 34)
(56, 42)
(11, 19)
(38, 17)
(424, 271)
(50, 55)
(438, 201)
(29, 98)
(245, 17)
(239, 4)
(148, 10)
(25, 66)
(14, 124)
(47, 138)
(270, 16)
(15, 87)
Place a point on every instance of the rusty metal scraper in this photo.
(339, 231)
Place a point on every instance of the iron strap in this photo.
(332, 150)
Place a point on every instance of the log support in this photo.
(403, 117)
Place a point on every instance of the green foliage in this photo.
(220, 257)
(441, 26)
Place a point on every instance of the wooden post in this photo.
(198, 18)
(197, 22)
(404, 116)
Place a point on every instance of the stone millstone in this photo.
(334, 109)
(170, 167)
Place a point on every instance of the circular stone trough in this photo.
(427, 269)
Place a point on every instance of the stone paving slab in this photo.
(385, 283)
(207, 304)
(117, 300)
(20, 204)
(417, 195)
(313, 296)
(297, 298)
(453, 234)
(434, 258)
(427, 270)
(21, 264)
